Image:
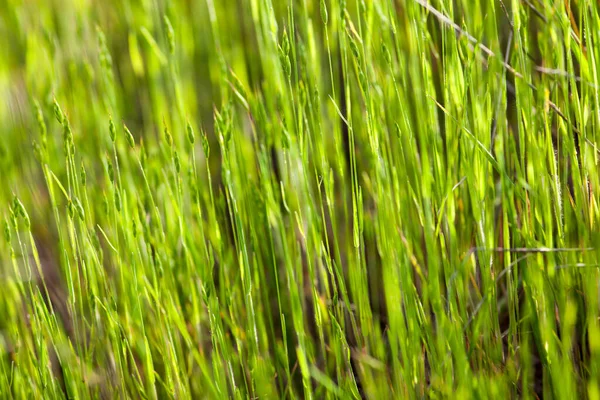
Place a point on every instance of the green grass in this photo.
(299, 199)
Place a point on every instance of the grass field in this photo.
(321, 199)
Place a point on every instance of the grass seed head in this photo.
(58, 114)
(176, 162)
(112, 130)
(190, 133)
(83, 175)
(7, 234)
(167, 134)
(324, 15)
(117, 199)
(129, 137)
(205, 144)
(40, 119)
(170, 34)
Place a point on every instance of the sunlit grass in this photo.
(299, 199)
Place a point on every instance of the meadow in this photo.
(316, 199)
